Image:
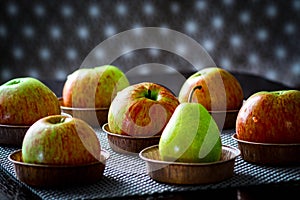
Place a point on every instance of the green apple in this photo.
(142, 109)
(60, 140)
(270, 117)
(93, 87)
(220, 91)
(25, 100)
(191, 135)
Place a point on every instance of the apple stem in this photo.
(149, 93)
(199, 87)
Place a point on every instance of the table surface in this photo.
(264, 183)
(11, 189)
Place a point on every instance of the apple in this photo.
(93, 87)
(142, 109)
(25, 100)
(191, 135)
(270, 117)
(220, 91)
(60, 140)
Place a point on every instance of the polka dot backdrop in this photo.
(50, 39)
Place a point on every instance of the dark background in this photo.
(50, 39)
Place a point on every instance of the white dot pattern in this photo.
(252, 36)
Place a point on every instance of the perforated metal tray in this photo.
(126, 175)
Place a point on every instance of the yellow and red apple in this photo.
(60, 140)
(142, 109)
(93, 87)
(25, 100)
(270, 117)
(220, 90)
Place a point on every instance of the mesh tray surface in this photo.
(126, 176)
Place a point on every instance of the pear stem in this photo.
(62, 120)
(197, 87)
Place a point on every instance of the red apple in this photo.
(270, 117)
(142, 109)
(25, 100)
(220, 90)
(93, 87)
(60, 140)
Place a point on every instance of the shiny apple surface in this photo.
(25, 100)
(142, 109)
(270, 117)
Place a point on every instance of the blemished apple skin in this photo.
(25, 100)
(220, 89)
(60, 140)
(270, 117)
(191, 136)
(142, 109)
(93, 87)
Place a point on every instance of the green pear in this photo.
(191, 135)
